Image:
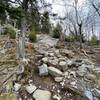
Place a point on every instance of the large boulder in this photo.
(46, 40)
(54, 71)
(42, 95)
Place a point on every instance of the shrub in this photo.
(94, 40)
(32, 36)
(57, 31)
(70, 38)
(10, 30)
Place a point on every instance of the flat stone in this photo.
(58, 79)
(42, 95)
(43, 70)
(30, 88)
(17, 86)
(54, 71)
(89, 95)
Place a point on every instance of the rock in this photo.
(30, 81)
(46, 40)
(30, 88)
(20, 69)
(71, 63)
(51, 54)
(66, 73)
(54, 71)
(89, 95)
(67, 53)
(87, 62)
(96, 92)
(73, 83)
(42, 95)
(90, 76)
(17, 86)
(62, 59)
(8, 96)
(57, 97)
(64, 65)
(82, 70)
(45, 59)
(58, 79)
(43, 70)
(53, 61)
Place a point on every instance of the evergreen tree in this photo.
(45, 23)
(57, 31)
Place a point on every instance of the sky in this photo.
(58, 8)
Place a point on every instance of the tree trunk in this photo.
(80, 35)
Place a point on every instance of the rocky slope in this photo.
(50, 73)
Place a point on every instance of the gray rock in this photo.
(46, 40)
(20, 69)
(30, 88)
(70, 63)
(82, 70)
(58, 79)
(54, 71)
(63, 65)
(53, 61)
(96, 92)
(89, 95)
(43, 70)
(17, 86)
(51, 54)
(42, 95)
(66, 52)
(45, 59)
(66, 73)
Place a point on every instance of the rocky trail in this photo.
(50, 73)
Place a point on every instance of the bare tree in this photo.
(95, 5)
